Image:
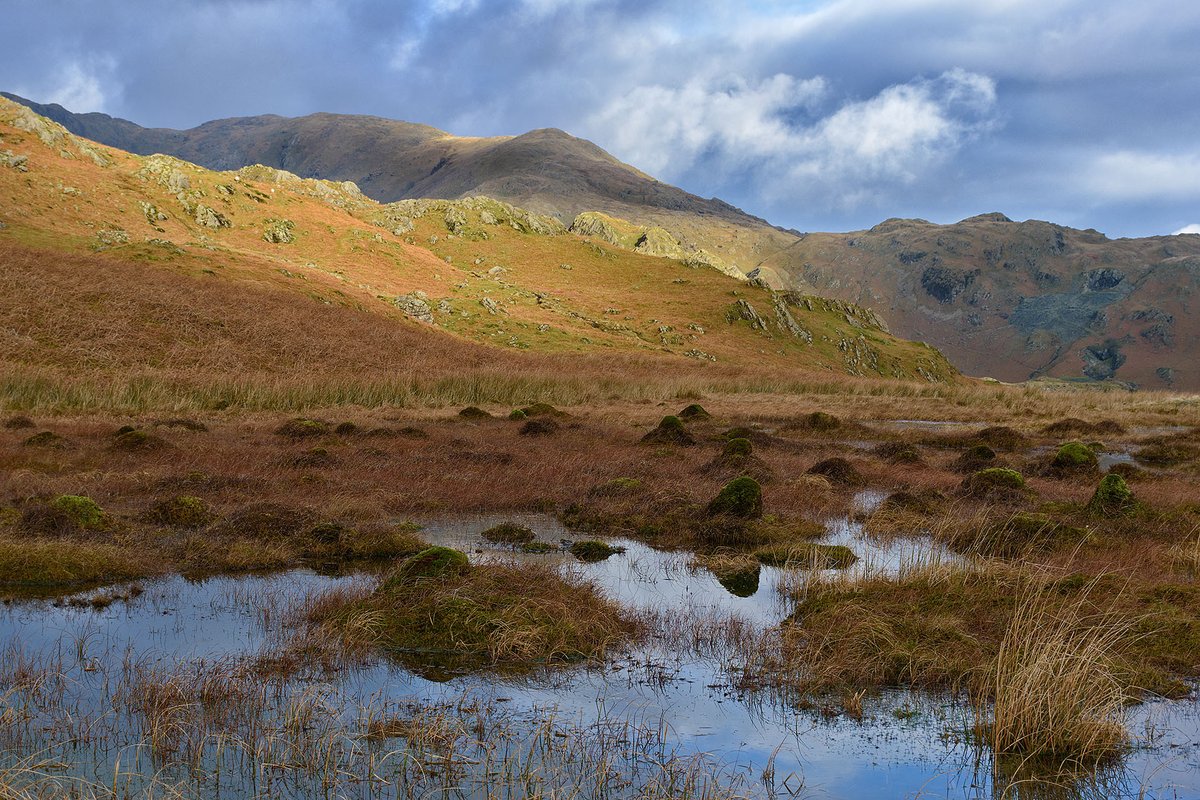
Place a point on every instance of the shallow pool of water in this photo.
(906, 745)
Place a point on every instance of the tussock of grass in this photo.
(35, 562)
(484, 615)
(1054, 682)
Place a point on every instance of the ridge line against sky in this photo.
(819, 115)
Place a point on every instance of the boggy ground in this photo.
(1105, 582)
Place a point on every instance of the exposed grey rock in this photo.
(743, 310)
(456, 219)
(402, 226)
(490, 305)
(279, 231)
(415, 305)
(211, 218)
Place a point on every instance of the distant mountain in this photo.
(1017, 300)
(1013, 300)
(546, 171)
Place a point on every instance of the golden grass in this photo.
(1055, 681)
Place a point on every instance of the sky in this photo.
(816, 115)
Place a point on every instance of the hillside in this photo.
(1009, 300)
(121, 265)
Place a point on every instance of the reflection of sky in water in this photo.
(884, 756)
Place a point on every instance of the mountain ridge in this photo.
(1006, 299)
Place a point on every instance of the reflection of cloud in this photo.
(1193, 228)
(768, 127)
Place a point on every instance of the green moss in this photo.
(538, 547)
(541, 410)
(670, 430)
(996, 478)
(1074, 457)
(83, 512)
(591, 550)
(139, 441)
(430, 563)
(47, 439)
(518, 415)
(741, 497)
(738, 448)
(182, 511)
(474, 412)
(838, 470)
(694, 411)
(821, 421)
(509, 533)
(1113, 497)
(302, 427)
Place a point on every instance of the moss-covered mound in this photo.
(63, 515)
(1074, 458)
(540, 426)
(694, 412)
(431, 563)
(1112, 498)
(181, 511)
(18, 422)
(670, 430)
(975, 458)
(139, 441)
(509, 533)
(474, 413)
(302, 428)
(737, 459)
(591, 551)
(838, 470)
(48, 440)
(816, 421)
(269, 522)
(741, 498)
(898, 453)
(995, 484)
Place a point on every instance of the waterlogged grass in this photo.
(58, 562)
(469, 616)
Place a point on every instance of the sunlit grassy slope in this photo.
(130, 275)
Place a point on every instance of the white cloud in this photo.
(1133, 175)
(78, 86)
(1193, 228)
(773, 128)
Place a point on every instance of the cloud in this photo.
(1134, 176)
(77, 85)
(822, 114)
(1193, 228)
(776, 129)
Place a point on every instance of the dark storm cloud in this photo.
(830, 114)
